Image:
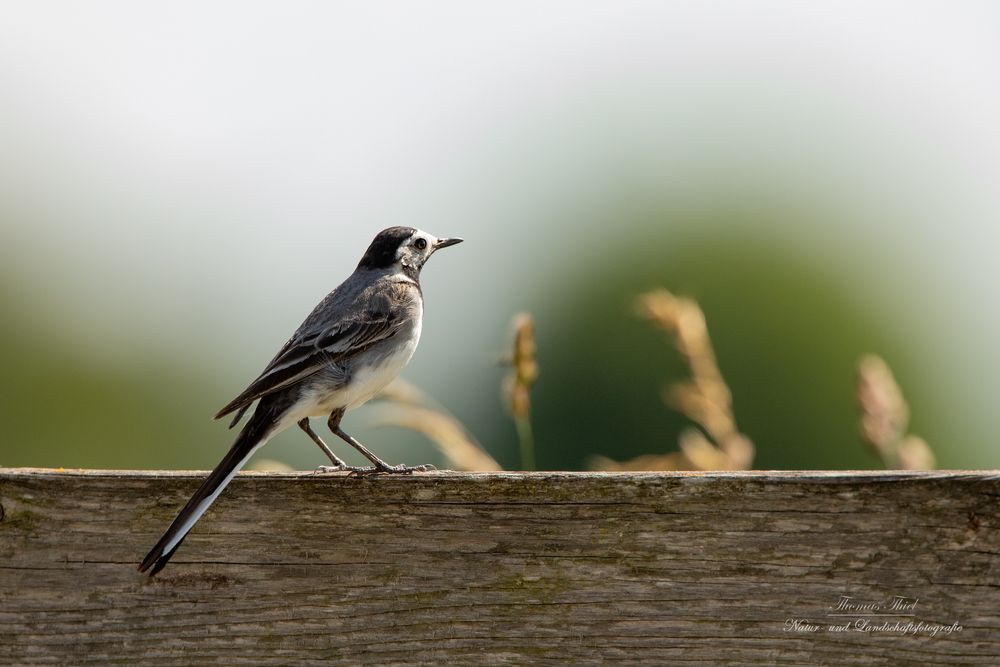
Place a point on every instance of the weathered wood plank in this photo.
(504, 568)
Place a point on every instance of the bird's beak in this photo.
(444, 243)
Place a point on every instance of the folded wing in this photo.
(308, 352)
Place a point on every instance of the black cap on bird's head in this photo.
(405, 247)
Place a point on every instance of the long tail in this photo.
(253, 436)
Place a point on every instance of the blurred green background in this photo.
(179, 186)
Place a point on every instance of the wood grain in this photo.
(500, 568)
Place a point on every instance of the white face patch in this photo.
(411, 251)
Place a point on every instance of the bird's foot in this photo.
(386, 469)
(338, 468)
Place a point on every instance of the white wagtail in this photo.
(353, 344)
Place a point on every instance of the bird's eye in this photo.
(420, 244)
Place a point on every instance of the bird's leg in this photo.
(380, 465)
(338, 465)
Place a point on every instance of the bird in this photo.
(353, 343)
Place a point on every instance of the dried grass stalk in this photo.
(704, 398)
(518, 383)
(645, 462)
(459, 448)
(885, 417)
(406, 406)
(270, 465)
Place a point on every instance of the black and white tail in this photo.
(251, 438)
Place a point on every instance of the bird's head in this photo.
(402, 248)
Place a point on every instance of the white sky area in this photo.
(193, 177)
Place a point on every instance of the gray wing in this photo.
(309, 351)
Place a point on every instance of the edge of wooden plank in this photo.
(840, 476)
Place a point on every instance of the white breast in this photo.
(370, 380)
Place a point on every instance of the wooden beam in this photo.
(505, 568)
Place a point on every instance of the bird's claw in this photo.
(386, 469)
(325, 469)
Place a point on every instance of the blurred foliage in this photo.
(62, 408)
(787, 337)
